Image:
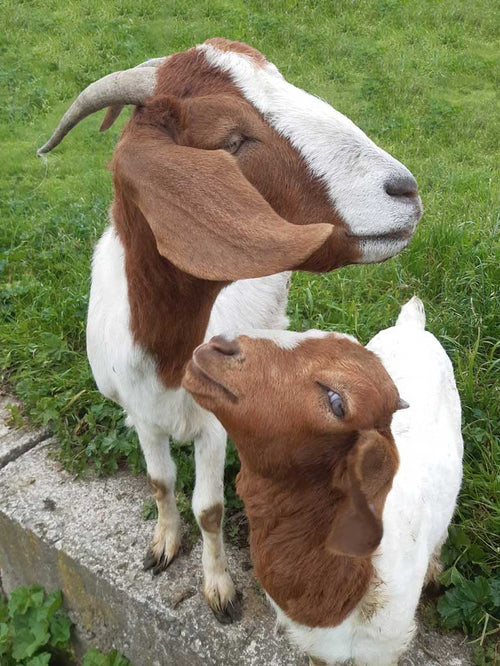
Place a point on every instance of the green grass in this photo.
(421, 79)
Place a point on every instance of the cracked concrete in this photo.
(87, 538)
(15, 441)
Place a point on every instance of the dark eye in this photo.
(336, 404)
(234, 143)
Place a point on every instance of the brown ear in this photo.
(371, 465)
(206, 218)
(110, 116)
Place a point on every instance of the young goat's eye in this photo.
(234, 143)
(336, 404)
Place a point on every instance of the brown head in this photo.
(312, 410)
(236, 173)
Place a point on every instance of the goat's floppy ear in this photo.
(207, 219)
(371, 466)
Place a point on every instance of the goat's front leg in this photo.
(161, 476)
(208, 499)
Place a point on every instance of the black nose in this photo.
(224, 346)
(401, 186)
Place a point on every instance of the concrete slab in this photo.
(15, 441)
(87, 538)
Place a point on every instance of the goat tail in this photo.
(412, 313)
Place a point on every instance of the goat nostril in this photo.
(225, 346)
(401, 186)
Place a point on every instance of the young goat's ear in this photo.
(207, 219)
(371, 465)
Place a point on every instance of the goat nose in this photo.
(224, 346)
(401, 186)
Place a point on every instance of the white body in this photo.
(126, 374)
(419, 507)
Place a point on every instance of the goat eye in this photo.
(234, 143)
(336, 404)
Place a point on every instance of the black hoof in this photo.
(149, 561)
(157, 565)
(232, 611)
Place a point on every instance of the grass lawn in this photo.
(421, 79)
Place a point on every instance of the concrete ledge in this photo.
(87, 538)
(15, 441)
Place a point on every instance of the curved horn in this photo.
(114, 111)
(132, 86)
(153, 62)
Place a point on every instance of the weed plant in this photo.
(35, 631)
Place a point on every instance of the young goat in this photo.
(311, 415)
(225, 171)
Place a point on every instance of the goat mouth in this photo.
(391, 237)
(207, 380)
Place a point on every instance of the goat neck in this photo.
(290, 519)
(169, 308)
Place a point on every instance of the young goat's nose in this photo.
(401, 186)
(224, 346)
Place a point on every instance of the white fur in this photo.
(337, 152)
(286, 339)
(291, 339)
(126, 374)
(419, 507)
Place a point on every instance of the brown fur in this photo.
(373, 600)
(239, 47)
(211, 519)
(314, 486)
(158, 489)
(434, 568)
(160, 184)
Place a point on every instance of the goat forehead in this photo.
(304, 119)
(312, 351)
(289, 340)
(341, 359)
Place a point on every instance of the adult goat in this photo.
(225, 172)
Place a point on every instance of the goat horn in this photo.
(153, 62)
(131, 86)
(114, 111)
